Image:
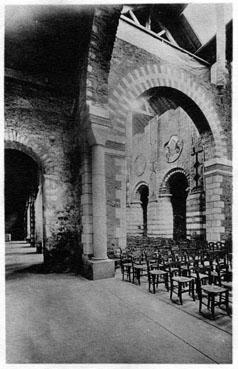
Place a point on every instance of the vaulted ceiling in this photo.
(48, 42)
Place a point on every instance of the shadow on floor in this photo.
(16, 271)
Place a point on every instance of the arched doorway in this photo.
(23, 198)
(149, 92)
(137, 211)
(144, 193)
(178, 186)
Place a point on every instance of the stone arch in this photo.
(136, 188)
(151, 76)
(168, 175)
(175, 187)
(16, 140)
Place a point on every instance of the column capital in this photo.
(165, 194)
(218, 165)
(218, 161)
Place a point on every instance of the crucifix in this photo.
(196, 151)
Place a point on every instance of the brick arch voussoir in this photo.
(167, 77)
(136, 188)
(169, 174)
(15, 140)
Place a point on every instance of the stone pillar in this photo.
(135, 219)
(160, 217)
(28, 237)
(39, 215)
(218, 70)
(32, 223)
(99, 203)
(218, 186)
(221, 44)
(195, 214)
(86, 202)
(97, 133)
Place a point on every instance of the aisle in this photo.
(56, 318)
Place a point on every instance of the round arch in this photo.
(33, 198)
(152, 76)
(136, 188)
(169, 174)
(17, 141)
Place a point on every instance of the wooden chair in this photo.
(203, 278)
(219, 272)
(139, 267)
(211, 296)
(210, 249)
(179, 284)
(126, 265)
(156, 275)
(206, 264)
(219, 249)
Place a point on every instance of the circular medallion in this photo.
(173, 149)
(140, 164)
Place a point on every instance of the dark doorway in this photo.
(21, 186)
(178, 188)
(144, 193)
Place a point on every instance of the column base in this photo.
(101, 269)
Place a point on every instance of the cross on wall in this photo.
(195, 152)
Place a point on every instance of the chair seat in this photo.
(127, 264)
(227, 285)
(213, 289)
(174, 269)
(182, 279)
(184, 267)
(152, 261)
(157, 272)
(201, 275)
(140, 266)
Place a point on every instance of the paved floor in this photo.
(55, 318)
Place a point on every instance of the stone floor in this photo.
(56, 318)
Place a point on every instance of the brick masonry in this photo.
(39, 124)
(53, 130)
(134, 71)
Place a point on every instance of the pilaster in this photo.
(218, 184)
(160, 217)
(97, 132)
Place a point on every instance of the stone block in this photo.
(101, 269)
(215, 198)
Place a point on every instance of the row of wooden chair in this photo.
(181, 273)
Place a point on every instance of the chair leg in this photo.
(149, 280)
(208, 302)
(166, 281)
(122, 272)
(200, 304)
(213, 306)
(138, 276)
(227, 302)
(192, 286)
(128, 271)
(153, 281)
(171, 289)
(180, 293)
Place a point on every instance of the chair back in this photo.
(222, 272)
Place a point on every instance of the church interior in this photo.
(118, 155)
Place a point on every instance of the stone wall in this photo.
(39, 122)
(148, 164)
(135, 70)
